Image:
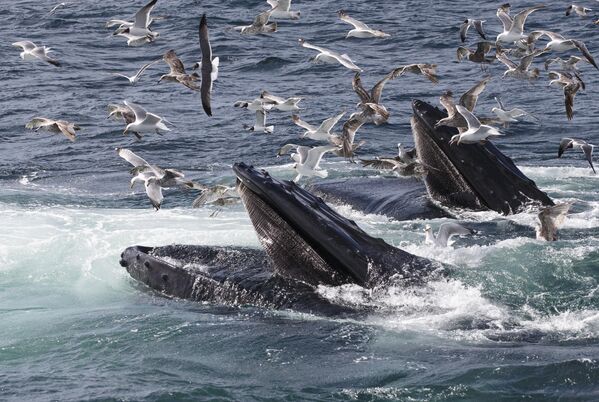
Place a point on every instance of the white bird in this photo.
(144, 122)
(569, 143)
(33, 52)
(281, 9)
(282, 104)
(550, 219)
(330, 57)
(260, 125)
(260, 25)
(446, 231)
(360, 30)
(320, 133)
(216, 195)
(255, 105)
(308, 163)
(56, 7)
(134, 78)
(520, 71)
(54, 126)
(558, 43)
(508, 116)
(580, 10)
(513, 30)
(476, 132)
(403, 159)
(138, 32)
(477, 24)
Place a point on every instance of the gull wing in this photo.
(380, 163)
(449, 229)
(464, 30)
(588, 153)
(345, 61)
(357, 24)
(154, 192)
(296, 119)
(206, 85)
(261, 19)
(131, 157)
(478, 24)
(569, 94)
(260, 118)
(473, 122)
(327, 125)
(350, 127)
(174, 62)
(38, 122)
(315, 154)
(286, 148)
(535, 35)
(527, 60)
(140, 112)
(25, 45)
(551, 218)
(41, 53)
(283, 5)
(359, 89)
(564, 144)
(504, 59)
(585, 52)
(469, 99)
(500, 103)
(505, 19)
(377, 90)
(520, 19)
(307, 45)
(447, 102)
(67, 129)
(142, 17)
(145, 67)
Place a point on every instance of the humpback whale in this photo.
(307, 244)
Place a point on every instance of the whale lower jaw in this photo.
(472, 176)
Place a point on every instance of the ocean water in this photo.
(517, 317)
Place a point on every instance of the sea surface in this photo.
(518, 318)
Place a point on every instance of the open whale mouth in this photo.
(308, 241)
(473, 176)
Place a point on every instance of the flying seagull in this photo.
(308, 163)
(513, 29)
(405, 157)
(144, 122)
(520, 71)
(570, 84)
(505, 116)
(54, 126)
(446, 231)
(371, 101)
(580, 10)
(565, 65)
(33, 52)
(282, 104)
(560, 44)
(138, 32)
(429, 71)
(260, 125)
(217, 195)
(360, 30)
(476, 132)
(477, 24)
(281, 9)
(320, 133)
(177, 72)
(330, 57)
(260, 25)
(134, 78)
(468, 100)
(207, 66)
(568, 143)
(550, 219)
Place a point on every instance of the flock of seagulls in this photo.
(512, 42)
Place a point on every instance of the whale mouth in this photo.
(472, 176)
(308, 241)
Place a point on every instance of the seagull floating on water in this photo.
(330, 57)
(570, 143)
(445, 233)
(33, 52)
(361, 30)
(54, 126)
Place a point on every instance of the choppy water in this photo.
(517, 318)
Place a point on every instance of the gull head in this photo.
(427, 229)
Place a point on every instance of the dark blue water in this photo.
(519, 318)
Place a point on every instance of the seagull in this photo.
(33, 52)
(144, 122)
(427, 70)
(56, 7)
(260, 25)
(140, 26)
(508, 116)
(513, 30)
(565, 65)
(177, 73)
(55, 126)
(330, 57)
(550, 219)
(260, 125)
(360, 30)
(255, 105)
(207, 66)
(320, 133)
(478, 55)
(468, 100)
(217, 195)
(567, 143)
(477, 24)
(446, 231)
(560, 44)
(571, 84)
(281, 9)
(405, 157)
(476, 132)
(580, 10)
(133, 79)
(348, 136)
(154, 177)
(288, 147)
(371, 101)
(284, 105)
(120, 111)
(520, 71)
(308, 163)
